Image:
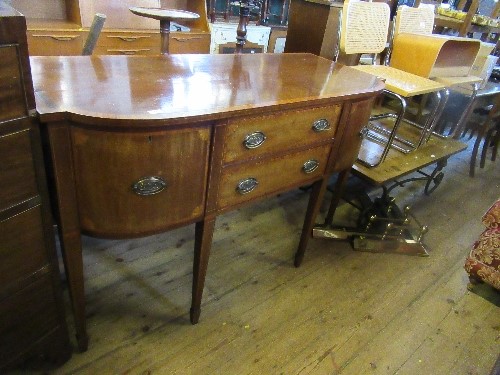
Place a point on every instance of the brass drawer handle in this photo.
(247, 185)
(128, 38)
(176, 38)
(310, 166)
(61, 38)
(321, 125)
(254, 140)
(129, 51)
(149, 185)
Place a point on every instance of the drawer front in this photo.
(132, 184)
(17, 175)
(12, 99)
(270, 175)
(189, 42)
(25, 317)
(254, 136)
(128, 43)
(129, 39)
(22, 251)
(126, 50)
(55, 43)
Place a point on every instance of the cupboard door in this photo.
(137, 183)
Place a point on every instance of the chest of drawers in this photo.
(32, 318)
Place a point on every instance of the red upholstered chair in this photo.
(483, 262)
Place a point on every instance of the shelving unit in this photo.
(60, 27)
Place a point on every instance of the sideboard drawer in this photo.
(138, 183)
(180, 42)
(251, 137)
(17, 176)
(128, 43)
(244, 182)
(56, 43)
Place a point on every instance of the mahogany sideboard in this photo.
(140, 145)
(32, 318)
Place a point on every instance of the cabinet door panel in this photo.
(108, 164)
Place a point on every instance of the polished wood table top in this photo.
(178, 88)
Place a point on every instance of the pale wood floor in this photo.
(341, 312)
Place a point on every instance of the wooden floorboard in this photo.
(341, 312)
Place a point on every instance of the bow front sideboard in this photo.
(141, 145)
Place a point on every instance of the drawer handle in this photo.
(129, 51)
(186, 39)
(61, 38)
(254, 140)
(128, 38)
(310, 166)
(149, 185)
(321, 125)
(247, 185)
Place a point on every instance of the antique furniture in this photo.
(483, 262)
(165, 16)
(187, 137)
(32, 319)
(60, 27)
(320, 38)
(223, 33)
(381, 225)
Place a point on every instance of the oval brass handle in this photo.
(310, 166)
(186, 39)
(363, 133)
(61, 38)
(149, 185)
(247, 185)
(254, 140)
(321, 125)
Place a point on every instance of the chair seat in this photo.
(401, 82)
(483, 262)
